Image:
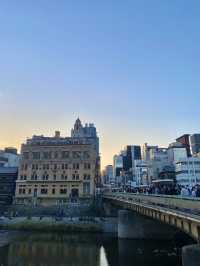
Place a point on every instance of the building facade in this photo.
(185, 141)
(108, 175)
(131, 153)
(188, 171)
(8, 176)
(9, 157)
(142, 173)
(117, 165)
(195, 143)
(56, 170)
(176, 151)
(147, 150)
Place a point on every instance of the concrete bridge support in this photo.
(191, 255)
(132, 225)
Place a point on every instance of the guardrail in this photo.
(185, 204)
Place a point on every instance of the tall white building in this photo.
(141, 173)
(176, 152)
(188, 171)
(9, 157)
(158, 161)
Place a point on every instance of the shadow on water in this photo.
(86, 250)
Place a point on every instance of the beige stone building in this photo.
(56, 170)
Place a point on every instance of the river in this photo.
(42, 249)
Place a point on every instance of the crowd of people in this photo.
(169, 189)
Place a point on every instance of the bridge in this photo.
(144, 216)
(179, 212)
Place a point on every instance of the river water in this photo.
(37, 249)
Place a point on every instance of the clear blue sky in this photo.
(131, 67)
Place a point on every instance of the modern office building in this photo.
(158, 162)
(55, 170)
(142, 173)
(108, 175)
(131, 153)
(185, 141)
(117, 165)
(195, 143)
(176, 151)
(8, 176)
(9, 157)
(147, 150)
(188, 171)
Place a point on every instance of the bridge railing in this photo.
(186, 204)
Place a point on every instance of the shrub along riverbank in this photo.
(51, 225)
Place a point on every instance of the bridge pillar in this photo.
(135, 226)
(191, 255)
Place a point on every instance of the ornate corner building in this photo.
(56, 170)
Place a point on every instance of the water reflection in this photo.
(85, 250)
(103, 258)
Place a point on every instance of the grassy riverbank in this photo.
(50, 225)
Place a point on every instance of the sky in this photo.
(131, 67)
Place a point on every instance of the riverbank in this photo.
(52, 224)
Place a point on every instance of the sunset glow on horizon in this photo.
(127, 68)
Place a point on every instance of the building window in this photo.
(29, 191)
(75, 177)
(87, 166)
(65, 154)
(76, 166)
(86, 188)
(47, 155)
(86, 177)
(86, 155)
(55, 166)
(54, 177)
(76, 154)
(35, 192)
(21, 177)
(44, 191)
(34, 176)
(53, 191)
(26, 155)
(45, 176)
(45, 166)
(63, 191)
(56, 155)
(36, 155)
